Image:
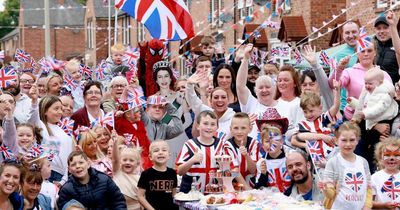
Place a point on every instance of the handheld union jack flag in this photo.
(8, 155)
(35, 151)
(67, 125)
(45, 65)
(167, 20)
(22, 56)
(324, 58)
(391, 188)
(103, 121)
(69, 82)
(279, 177)
(131, 57)
(363, 41)
(8, 76)
(99, 71)
(85, 70)
(55, 64)
(136, 102)
(315, 150)
(298, 57)
(354, 181)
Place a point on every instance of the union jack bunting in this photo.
(99, 71)
(103, 121)
(167, 20)
(8, 76)
(85, 70)
(7, 153)
(67, 124)
(354, 181)
(363, 41)
(315, 150)
(391, 188)
(22, 56)
(324, 58)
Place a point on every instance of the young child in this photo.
(116, 58)
(157, 185)
(386, 181)
(243, 149)
(27, 136)
(271, 169)
(157, 107)
(72, 69)
(94, 189)
(216, 53)
(197, 156)
(126, 166)
(315, 129)
(133, 129)
(347, 177)
(376, 102)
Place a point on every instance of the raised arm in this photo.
(393, 20)
(337, 73)
(243, 92)
(334, 109)
(194, 101)
(34, 112)
(10, 131)
(176, 128)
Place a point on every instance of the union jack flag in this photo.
(315, 150)
(99, 71)
(130, 58)
(7, 152)
(324, 58)
(354, 181)
(275, 51)
(35, 151)
(2, 55)
(67, 125)
(69, 82)
(103, 121)
(33, 63)
(363, 41)
(85, 70)
(167, 20)
(279, 178)
(22, 56)
(8, 75)
(45, 65)
(298, 57)
(333, 64)
(391, 188)
(54, 63)
(136, 102)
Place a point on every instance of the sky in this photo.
(1, 5)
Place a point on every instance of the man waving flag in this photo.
(164, 19)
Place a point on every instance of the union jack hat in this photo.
(156, 100)
(162, 64)
(273, 118)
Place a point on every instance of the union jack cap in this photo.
(156, 100)
(162, 64)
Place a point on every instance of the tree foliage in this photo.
(9, 17)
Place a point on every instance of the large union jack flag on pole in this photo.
(165, 19)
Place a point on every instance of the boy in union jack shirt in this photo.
(316, 126)
(271, 169)
(243, 149)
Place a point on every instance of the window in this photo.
(140, 32)
(216, 7)
(90, 34)
(126, 30)
(381, 3)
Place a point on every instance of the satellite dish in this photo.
(260, 2)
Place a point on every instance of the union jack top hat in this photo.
(272, 117)
(162, 64)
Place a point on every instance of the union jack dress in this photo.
(199, 170)
(238, 160)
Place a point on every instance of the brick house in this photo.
(10, 42)
(66, 28)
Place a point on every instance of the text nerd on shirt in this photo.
(162, 185)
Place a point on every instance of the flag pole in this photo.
(109, 27)
(115, 26)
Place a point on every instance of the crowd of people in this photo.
(332, 138)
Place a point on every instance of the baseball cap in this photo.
(381, 19)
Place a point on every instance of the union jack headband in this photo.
(162, 64)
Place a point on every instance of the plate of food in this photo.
(214, 200)
(191, 196)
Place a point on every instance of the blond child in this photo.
(197, 156)
(376, 101)
(347, 177)
(72, 69)
(157, 185)
(126, 168)
(243, 149)
(386, 181)
(116, 58)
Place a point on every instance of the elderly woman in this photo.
(117, 86)
(86, 115)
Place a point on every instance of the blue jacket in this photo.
(17, 201)
(100, 193)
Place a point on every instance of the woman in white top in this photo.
(46, 116)
(264, 90)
